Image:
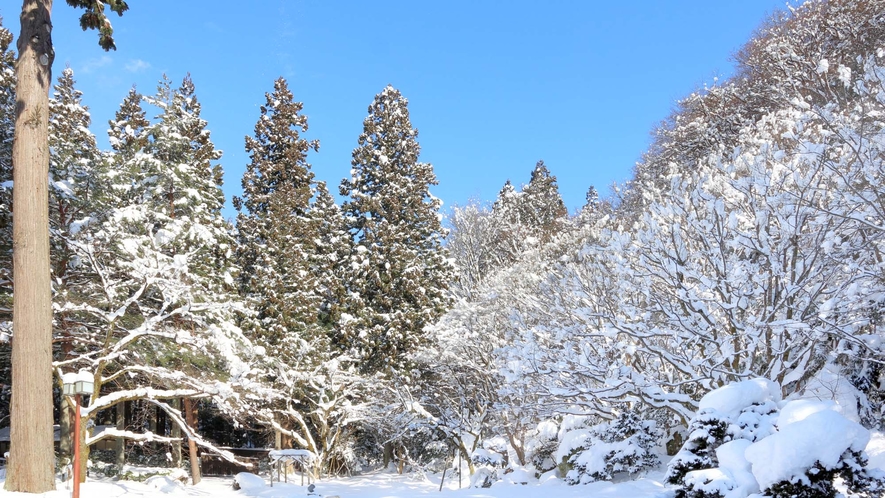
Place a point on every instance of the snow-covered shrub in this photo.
(766, 447)
(732, 478)
(540, 450)
(815, 445)
(818, 480)
(624, 445)
(484, 477)
(707, 432)
(482, 456)
(743, 410)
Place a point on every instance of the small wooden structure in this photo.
(214, 465)
(303, 461)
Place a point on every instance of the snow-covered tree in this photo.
(541, 207)
(7, 127)
(154, 319)
(471, 243)
(399, 271)
(292, 238)
(274, 228)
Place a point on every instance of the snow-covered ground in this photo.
(374, 485)
(391, 485)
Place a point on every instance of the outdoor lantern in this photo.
(74, 383)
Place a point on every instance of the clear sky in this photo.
(493, 86)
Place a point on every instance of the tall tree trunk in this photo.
(65, 431)
(176, 433)
(120, 446)
(32, 456)
(85, 432)
(191, 418)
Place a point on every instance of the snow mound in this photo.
(164, 484)
(731, 399)
(248, 481)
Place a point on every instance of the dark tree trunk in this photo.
(190, 414)
(120, 446)
(176, 433)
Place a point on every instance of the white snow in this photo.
(731, 399)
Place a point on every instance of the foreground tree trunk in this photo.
(31, 466)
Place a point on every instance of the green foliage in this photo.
(707, 432)
(95, 18)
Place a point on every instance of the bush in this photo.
(624, 445)
(817, 482)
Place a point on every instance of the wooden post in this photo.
(76, 465)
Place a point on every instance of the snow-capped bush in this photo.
(482, 456)
(540, 450)
(743, 410)
(747, 441)
(624, 445)
(815, 445)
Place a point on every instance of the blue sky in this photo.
(493, 86)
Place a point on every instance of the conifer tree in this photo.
(330, 247)
(73, 154)
(398, 269)
(541, 207)
(7, 127)
(127, 132)
(72, 160)
(154, 299)
(274, 228)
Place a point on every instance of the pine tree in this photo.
(72, 159)
(398, 269)
(541, 207)
(127, 131)
(152, 284)
(330, 247)
(7, 127)
(275, 229)
(73, 154)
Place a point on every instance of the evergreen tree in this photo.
(275, 229)
(330, 247)
(127, 131)
(72, 159)
(73, 154)
(151, 284)
(7, 127)
(541, 207)
(398, 269)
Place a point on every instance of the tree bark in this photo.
(31, 467)
(65, 431)
(191, 418)
(176, 433)
(120, 446)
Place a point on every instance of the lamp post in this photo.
(76, 384)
